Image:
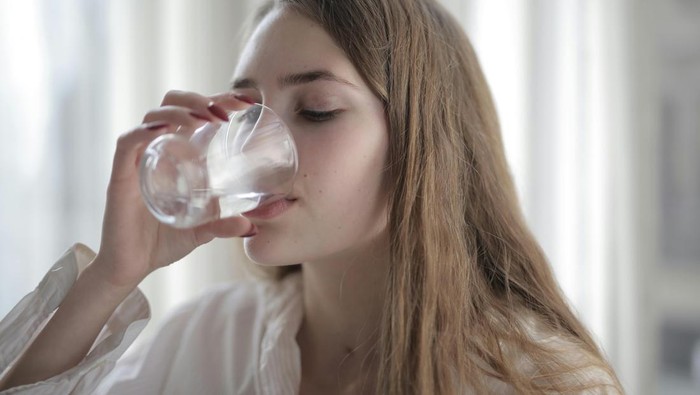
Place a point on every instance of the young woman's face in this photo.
(293, 66)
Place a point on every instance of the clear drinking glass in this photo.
(222, 170)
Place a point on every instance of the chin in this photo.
(265, 253)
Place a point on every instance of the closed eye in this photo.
(319, 116)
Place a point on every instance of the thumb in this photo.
(227, 227)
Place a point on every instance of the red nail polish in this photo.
(218, 112)
(156, 125)
(244, 99)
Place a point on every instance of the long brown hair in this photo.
(471, 299)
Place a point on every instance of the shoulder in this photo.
(576, 365)
(586, 371)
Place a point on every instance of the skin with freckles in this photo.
(340, 131)
(337, 226)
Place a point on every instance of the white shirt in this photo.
(235, 339)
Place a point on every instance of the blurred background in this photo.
(600, 107)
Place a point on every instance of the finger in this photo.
(227, 227)
(130, 146)
(180, 116)
(199, 103)
(231, 101)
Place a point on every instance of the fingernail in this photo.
(200, 116)
(252, 231)
(218, 111)
(244, 99)
(156, 125)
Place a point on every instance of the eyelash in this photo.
(319, 116)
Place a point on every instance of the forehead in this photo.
(285, 41)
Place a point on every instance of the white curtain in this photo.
(75, 74)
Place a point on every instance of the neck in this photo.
(343, 301)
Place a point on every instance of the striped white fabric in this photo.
(234, 339)
(239, 338)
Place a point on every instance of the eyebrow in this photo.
(295, 79)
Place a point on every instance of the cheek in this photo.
(342, 202)
(341, 174)
(345, 164)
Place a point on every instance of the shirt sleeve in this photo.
(24, 322)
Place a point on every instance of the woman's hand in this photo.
(134, 243)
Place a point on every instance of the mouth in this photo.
(270, 210)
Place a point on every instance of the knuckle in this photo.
(122, 142)
(151, 115)
(172, 95)
(123, 138)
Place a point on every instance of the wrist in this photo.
(100, 275)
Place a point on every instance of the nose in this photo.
(283, 109)
(278, 107)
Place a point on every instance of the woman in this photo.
(419, 274)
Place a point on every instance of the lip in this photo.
(271, 210)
